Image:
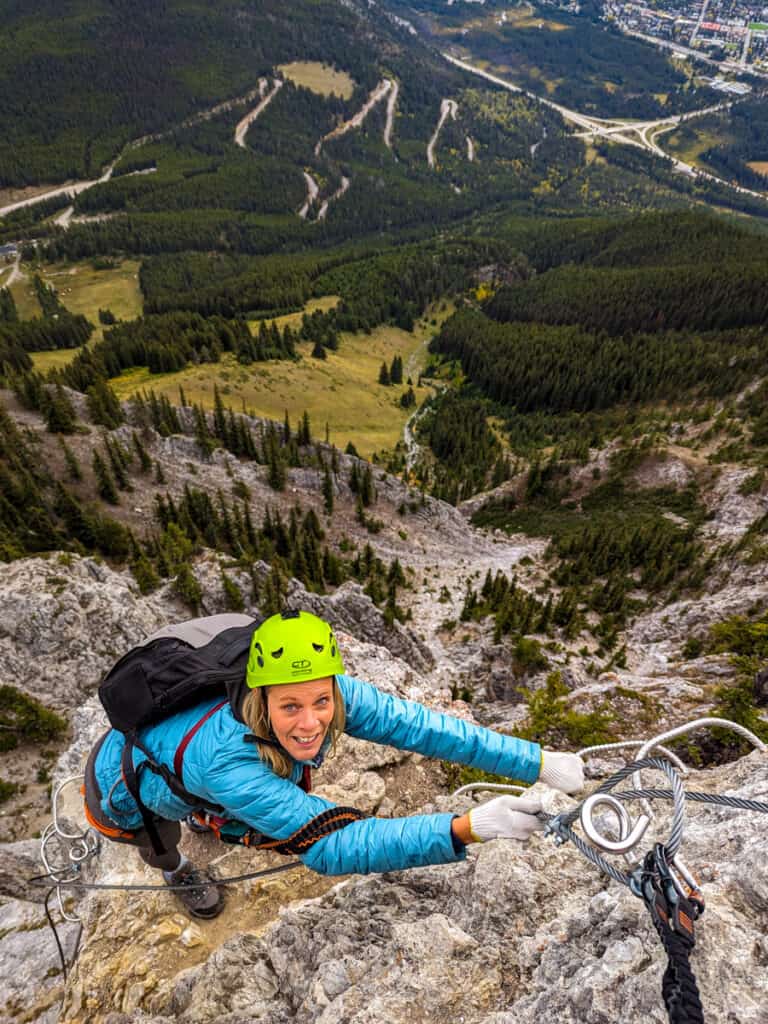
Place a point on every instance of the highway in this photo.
(642, 134)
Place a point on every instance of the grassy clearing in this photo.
(85, 290)
(324, 303)
(342, 391)
(688, 145)
(758, 166)
(23, 293)
(319, 78)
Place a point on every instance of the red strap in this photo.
(306, 779)
(178, 760)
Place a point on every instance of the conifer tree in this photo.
(328, 492)
(305, 434)
(286, 429)
(232, 596)
(74, 472)
(145, 462)
(104, 482)
(187, 587)
(145, 575)
(384, 377)
(159, 474)
(318, 351)
(114, 454)
(103, 405)
(396, 370)
(59, 412)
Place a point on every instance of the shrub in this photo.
(24, 719)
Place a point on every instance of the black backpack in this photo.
(176, 668)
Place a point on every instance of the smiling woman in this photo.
(247, 761)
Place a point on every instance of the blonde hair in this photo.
(256, 716)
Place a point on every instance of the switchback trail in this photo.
(266, 98)
(447, 107)
(378, 94)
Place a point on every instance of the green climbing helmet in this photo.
(292, 647)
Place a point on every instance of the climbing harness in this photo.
(660, 878)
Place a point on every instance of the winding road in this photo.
(641, 134)
(266, 98)
(376, 96)
(448, 108)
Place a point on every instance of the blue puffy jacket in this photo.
(221, 768)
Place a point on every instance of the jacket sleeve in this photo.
(373, 715)
(250, 791)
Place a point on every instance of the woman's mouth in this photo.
(306, 741)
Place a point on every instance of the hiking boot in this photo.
(200, 895)
(196, 826)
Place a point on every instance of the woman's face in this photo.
(300, 714)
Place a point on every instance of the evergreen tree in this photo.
(104, 482)
(304, 434)
(145, 462)
(74, 472)
(159, 474)
(232, 596)
(145, 575)
(103, 405)
(187, 587)
(59, 412)
(384, 375)
(328, 492)
(396, 370)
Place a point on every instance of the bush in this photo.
(551, 723)
(24, 719)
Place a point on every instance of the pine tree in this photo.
(187, 587)
(104, 482)
(114, 454)
(384, 375)
(59, 412)
(286, 429)
(305, 434)
(145, 462)
(74, 472)
(328, 492)
(232, 596)
(103, 405)
(396, 370)
(318, 351)
(145, 575)
(159, 474)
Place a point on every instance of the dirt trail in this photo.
(313, 190)
(378, 94)
(470, 149)
(391, 103)
(332, 199)
(447, 107)
(266, 98)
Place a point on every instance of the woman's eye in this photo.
(289, 707)
(322, 702)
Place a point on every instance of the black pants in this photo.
(169, 831)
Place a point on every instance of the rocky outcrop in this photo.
(516, 934)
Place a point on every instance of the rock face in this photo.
(516, 934)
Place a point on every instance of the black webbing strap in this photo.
(317, 828)
(132, 779)
(673, 916)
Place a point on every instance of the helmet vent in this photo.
(319, 648)
(278, 653)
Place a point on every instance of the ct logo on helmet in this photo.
(301, 665)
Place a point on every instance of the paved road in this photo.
(641, 134)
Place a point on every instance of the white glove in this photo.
(562, 771)
(506, 817)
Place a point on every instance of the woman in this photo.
(251, 756)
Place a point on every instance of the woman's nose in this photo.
(308, 719)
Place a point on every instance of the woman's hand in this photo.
(505, 817)
(562, 771)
